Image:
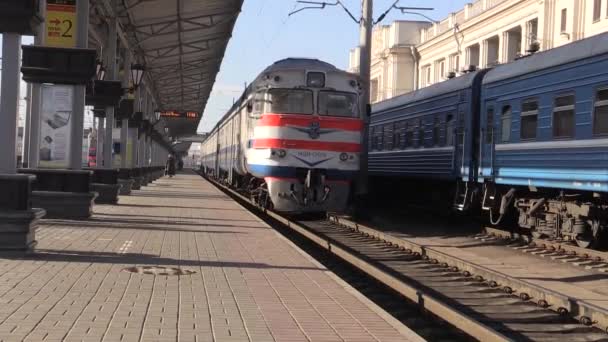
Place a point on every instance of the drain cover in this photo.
(158, 270)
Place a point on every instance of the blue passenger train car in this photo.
(423, 138)
(528, 139)
(544, 139)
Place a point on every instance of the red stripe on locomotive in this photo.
(282, 120)
(307, 145)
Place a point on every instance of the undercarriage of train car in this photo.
(309, 191)
(577, 217)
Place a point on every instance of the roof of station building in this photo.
(182, 45)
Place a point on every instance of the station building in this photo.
(408, 55)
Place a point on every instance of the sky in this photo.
(264, 34)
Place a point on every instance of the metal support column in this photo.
(82, 41)
(100, 138)
(26, 126)
(36, 103)
(365, 46)
(9, 101)
(124, 130)
(110, 56)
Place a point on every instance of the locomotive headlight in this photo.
(343, 157)
(281, 153)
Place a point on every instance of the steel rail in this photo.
(585, 312)
(586, 253)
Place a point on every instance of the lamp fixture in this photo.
(167, 130)
(100, 70)
(157, 115)
(137, 74)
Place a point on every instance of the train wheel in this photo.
(584, 240)
(592, 239)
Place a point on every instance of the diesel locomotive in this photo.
(292, 140)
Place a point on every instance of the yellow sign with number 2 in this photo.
(60, 23)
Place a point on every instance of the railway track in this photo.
(487, 305)
(556, 250)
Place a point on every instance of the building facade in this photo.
(485, 33)
(394, 58)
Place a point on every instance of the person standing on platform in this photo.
(170, 168)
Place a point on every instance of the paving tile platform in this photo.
(250, 284)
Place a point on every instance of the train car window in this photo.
(420, 133)
(600, 113)
(290, 101)
(505, 119)
(490, 125)
(436, 132)
(398, 135)
(388, 136)
(333, 103)
(409, 135)
(563, 116)
(449, 130)
(258, 103)
(529, 119)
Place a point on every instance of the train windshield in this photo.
(290, 101)
(333, 103)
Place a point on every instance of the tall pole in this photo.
(9, 101)
(124, 130)
(365, 53)
(26, 126)
(112, 73)
(78, 104)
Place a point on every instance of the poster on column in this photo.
(55, 128)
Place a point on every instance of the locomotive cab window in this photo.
(529, 119)
(563, 116)
(333, 103)
(505, 119)
(290, 101)
(600, 113)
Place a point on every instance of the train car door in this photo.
(487, 140)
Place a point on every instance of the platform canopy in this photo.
(182, 44)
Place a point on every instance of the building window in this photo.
(440, 70)
(600, 114)
(532, 31)
(490, 125)
(505, 119)
(563, 117)
(473, 55)
(374, 90)
(455, 63)
(564, 22)
(426, 75)
(492, 51)
(529, 119)
(597, 10)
